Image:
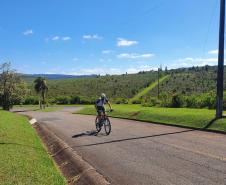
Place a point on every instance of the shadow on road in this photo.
(211, 122)
(94, 133)
(87, 133)
(135, 138)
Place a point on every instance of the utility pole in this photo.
(159, 70)
(220, 72)
(158, 83)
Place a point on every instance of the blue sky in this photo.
(107, 36)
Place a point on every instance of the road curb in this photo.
(75, 169)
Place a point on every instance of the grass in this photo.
(23, 158)
(195, 118)
(36, 108)
(149, 88)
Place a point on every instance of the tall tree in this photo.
(12, 88)
(41, 88)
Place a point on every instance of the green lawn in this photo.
(23, 159)
(196, 118)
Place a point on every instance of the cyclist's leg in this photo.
(104, 113)
(98, 113)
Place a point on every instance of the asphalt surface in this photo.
(138, 153)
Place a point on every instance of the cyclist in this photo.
(99, 104)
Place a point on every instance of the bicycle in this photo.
(104, 121)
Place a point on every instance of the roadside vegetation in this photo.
(179, 88)
(13, 89)
(194, 118)
(23, 158)
(41, 88)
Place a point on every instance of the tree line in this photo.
(14, 90)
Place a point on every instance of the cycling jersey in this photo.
(100, 102)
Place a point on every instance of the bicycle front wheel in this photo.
(107, 126)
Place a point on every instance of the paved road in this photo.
(137, 153)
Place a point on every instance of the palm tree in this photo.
(41, 88)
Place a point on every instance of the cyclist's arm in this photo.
(109, 105)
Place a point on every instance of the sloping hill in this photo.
(116, 87)
(144, 91)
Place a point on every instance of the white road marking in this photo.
(33, 121)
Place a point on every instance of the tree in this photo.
(41, 88)
(12, 88)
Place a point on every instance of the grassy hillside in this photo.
(146, 90)
(189, 81)
(188, 87)
(185, 87)
(116, 87)
(23, 159)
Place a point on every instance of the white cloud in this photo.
(135, 56)
(66, 38)
(124, 42)
(141, 68)
(92, 37)
(28, 32)
(107, 51)
(55, 38)
(189, 62)
(215, 51)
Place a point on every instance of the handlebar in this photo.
(109, 110)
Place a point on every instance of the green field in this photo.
(194, 118)
(23, 159)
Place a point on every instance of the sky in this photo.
(107, 36)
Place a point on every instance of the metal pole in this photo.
(220, 72)
(158, 83)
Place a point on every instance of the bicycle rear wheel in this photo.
(97, 123)
(107, 126)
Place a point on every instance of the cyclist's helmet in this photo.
(102, 96)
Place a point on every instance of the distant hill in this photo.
(31, 77)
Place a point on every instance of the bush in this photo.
(85, 100)
(137, 101)
(152, 101)
(31, 100)
(63, 100)
(177, 101)
(120, 101)
(165, 100)
(75, 100)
